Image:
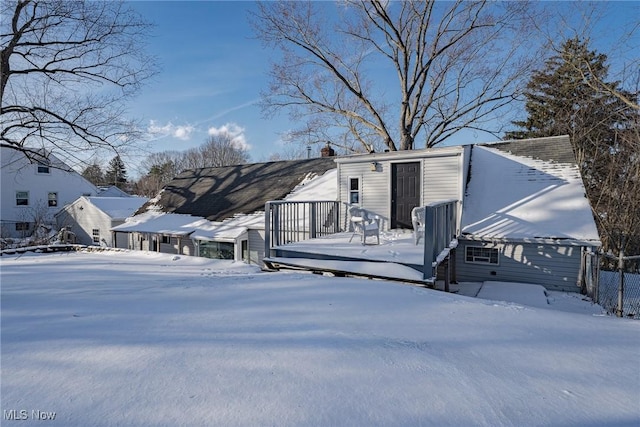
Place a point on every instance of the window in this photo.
(216, 250)
(166, 239)
(22, 226)
(22, 198)
(95, 233)
(53, 200)
(42, 168)
(480, 255)
(354, 191)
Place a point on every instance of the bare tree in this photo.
(67, 67)
(219, 150)
(457, 65)
(617, 206)
(161, 168)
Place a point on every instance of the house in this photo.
(111, 191)
(91, 219)
(525, 216)
(391, 184)
(219, 212)
(520, 209)
(33, 192)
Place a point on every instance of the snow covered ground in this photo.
(146, 339)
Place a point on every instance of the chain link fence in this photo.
(617, 290)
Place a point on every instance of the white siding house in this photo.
(32, 193)
(391, 184)
(524, 215)
(91, 218)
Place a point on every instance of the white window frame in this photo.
(481, 258)
(95, 235)
(55, 199)
(22, 198)
(357, 192)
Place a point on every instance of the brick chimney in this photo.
(327, 151)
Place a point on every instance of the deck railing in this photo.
(292, 221)
(440, 233)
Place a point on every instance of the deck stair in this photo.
(356, 268)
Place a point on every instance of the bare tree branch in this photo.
(67, 68)
(457, 64)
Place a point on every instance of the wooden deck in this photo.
(396, 246)
(397, 257)
(311, 231)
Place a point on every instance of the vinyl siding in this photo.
(374, 188)
(442, 179)
(86, 219)
(556, 267)
(18, 174)
(256, 246)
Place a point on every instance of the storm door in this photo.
(405, 193)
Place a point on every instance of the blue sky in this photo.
(213, 70)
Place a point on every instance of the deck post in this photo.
(447, 272)
(312, 220)
(267, 229)
(452, 259)
(429, 243)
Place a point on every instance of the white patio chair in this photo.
(364, 225)
(417, 220)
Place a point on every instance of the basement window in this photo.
(216, 250)
(22, 226)
(481, 255)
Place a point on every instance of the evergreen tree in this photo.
(560, 101)
(93, 173)
(116, 173)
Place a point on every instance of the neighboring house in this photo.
(91, 218)
(32, 193)
(219, 212)
(112, 191)
(524, 214)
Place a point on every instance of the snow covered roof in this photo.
(231, 228)
(320, 187)
(165, 223)
(312, 187)
(118, 207)
(112, 191)
(223, 192)
(522, 197)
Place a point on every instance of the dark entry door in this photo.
(405, 193)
